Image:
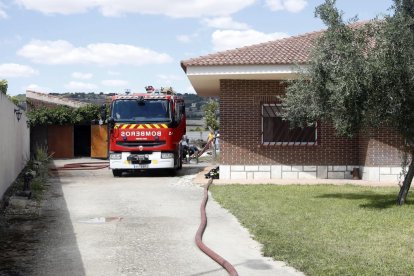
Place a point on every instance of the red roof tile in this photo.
(291, 50)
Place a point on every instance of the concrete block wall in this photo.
(14, 143)
(378, 174)
(381, 174)
(285, 172)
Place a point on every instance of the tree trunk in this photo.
(402, 196)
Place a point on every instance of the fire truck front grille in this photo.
(134, 144)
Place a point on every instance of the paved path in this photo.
(139, 225)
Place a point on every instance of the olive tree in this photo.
(360, 75)
(210, 115)
(3, 86)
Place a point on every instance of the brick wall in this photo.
(380, 147)
(240, 131)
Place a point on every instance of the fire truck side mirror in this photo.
(183, 109)
(111, 123)
(103, 112)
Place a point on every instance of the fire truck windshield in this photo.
(141, 111)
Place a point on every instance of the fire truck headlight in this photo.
(167, 155)
(116, 156)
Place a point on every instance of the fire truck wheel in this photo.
(117, 173)
(171, 172)
(180, 163)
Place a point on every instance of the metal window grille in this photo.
(276, 131)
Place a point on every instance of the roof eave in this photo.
(206, 79)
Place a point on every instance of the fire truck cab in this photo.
(145, 131)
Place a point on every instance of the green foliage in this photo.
(41, 155)
(210, 115)
(87, 113)
(62, 115)
(14, 100)
(3, 86)
(18, 98)
(39, 164)
(391, 65)
(360, 76)
(335, 86)
(197, 129)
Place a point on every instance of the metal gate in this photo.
(99, 141)
(60, 141)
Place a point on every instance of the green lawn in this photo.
(327, 230)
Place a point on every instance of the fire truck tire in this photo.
(117, 173)
(171, 172)
(180, 162)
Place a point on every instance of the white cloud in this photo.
(3, 14)
(289, 5)
(80, 86)
(230, 39)
(57, 6)
(225, 22)
(38, 88)
(115, 83)
(63, 52)
(184, 38)
(175, 9)
(82, 76)
(12, 70)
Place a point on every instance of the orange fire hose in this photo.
(199, 237)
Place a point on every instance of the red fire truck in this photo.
(145, 131)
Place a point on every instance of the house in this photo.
(70, 140)
(257, 144)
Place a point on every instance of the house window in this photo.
(276, 131)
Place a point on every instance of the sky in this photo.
(113, 45)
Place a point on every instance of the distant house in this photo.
(65, 141)
(196, 130)
(256, 143)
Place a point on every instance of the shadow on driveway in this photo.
(189, 169)
(43, 244)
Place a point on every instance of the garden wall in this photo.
(14, 143)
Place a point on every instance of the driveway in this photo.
(95, 224)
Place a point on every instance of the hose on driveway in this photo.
(83, 166)
(199, 236)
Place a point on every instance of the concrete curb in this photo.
(201, 180)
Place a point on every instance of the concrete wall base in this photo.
(379, 174)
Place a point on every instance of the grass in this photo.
(327, 230)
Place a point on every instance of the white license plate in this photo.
(141, 166)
